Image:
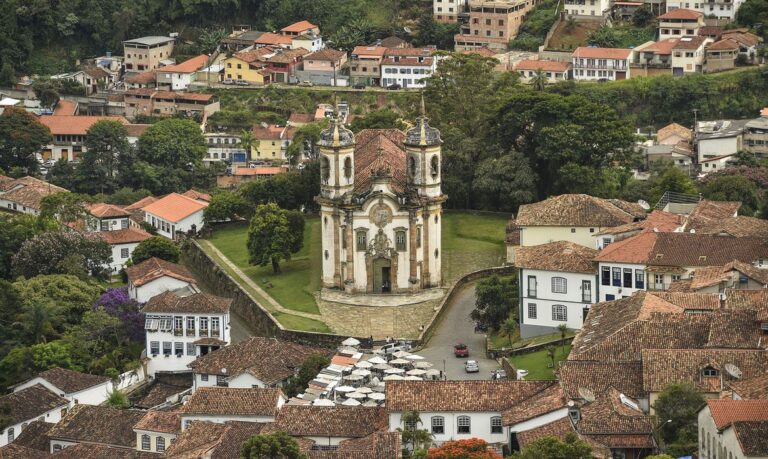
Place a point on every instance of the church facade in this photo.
(381, 208)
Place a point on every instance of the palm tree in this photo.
(539, 80)
(509, 326)
(563, 329)
(247, 141)
(551, 355)
(412, 435)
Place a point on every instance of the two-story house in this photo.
(554, 71)
(152, 102)
(72, 385)
(283, 63)
(653, 58)
(365, 65)
(174, 214)
(178, 77)
(652, 261)
(407, 67)
(448, 11)
(154, 276)
(733, 429)
(688, 55)
(247, 66)
(324, 67)
(157, 430)
(180, 329)
(146, 53)
(680, 22)
(222, 404)
(112, 223)
(225, 146)
(255, 362)
(329, 426)
(586, 7)
(33, 403)
(271, 142)
(300, 28)
(69, 133)
(558, 284)
(593, 64)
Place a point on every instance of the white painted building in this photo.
(586, 7)
(155, 276)
(716, 139)
(722, 9)
(407, 67)
(175, 213)
(558, 283)
(223, 146)
(688, 54)
(178, 77)
(78, 388)
(157, 430)
(24, 194)
(180, 329)
(601, 64)
(112, 223)
(222, 404)
(733, 429)
(679, 23)
(33, 403)
(447, 11)
(375, 237)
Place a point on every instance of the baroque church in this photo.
(381, 208)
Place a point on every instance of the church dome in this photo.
(336, 135)
(422, 134)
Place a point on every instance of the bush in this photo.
(156, 246)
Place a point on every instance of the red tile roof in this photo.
(188, 66)
(752, 438)
(233, 402)
(197, 195)
(142, 78)
(726, 411)
(30, 403)
(723, 45)
(155, 268)
(602, 53)
(326, 54)
(573, 210)
(72, 381)
(65, 107)
(260, 170)
(690, 42)
(662, 47)
(198, 303)
(369, 51)
(124, 236)
(751, 388)
(103, 210)
(73, 124)
(380, 151)
(545, 65)
(561, 256)
(175, 207)
(160, 421)
(141, 203)
(682, 13)
(300, 26)
(270, 38)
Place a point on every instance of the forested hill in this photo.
(48, 36)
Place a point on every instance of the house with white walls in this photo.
(329, 426)
(558, 283)
(733, 429)
(154, 276)
(680, 22)
(255, 362)
(78, 388)
(222, 404)
(112, 224)
(24, 194)
(174, 214)
(157, 430)
(33, 403)
(180, 329)
(408, 67)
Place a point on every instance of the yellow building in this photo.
(271, 142)
(246, 66)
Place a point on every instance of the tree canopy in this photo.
(156, 246)
(278, 445)
(64, 252)
(21, 137)
(272, 237)
(496, 298)
(571, 447)
(678, 403)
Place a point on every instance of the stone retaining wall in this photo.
(507, 352)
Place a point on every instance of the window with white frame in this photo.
(178, 324)
(463, 425)
(559, 313)
(203, 326)
(438, 425)
(215, 330)
(191, 326)
(178, 349)
(167, 348)
(532, 313)
(191, 349)
(559, 285)
(146, 442)
(151, 323)
(160, 444)
(165, 324)
(496, 425)
(411, 425)
(11, 435)
(154, 347)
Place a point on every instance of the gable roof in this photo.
(155, 268)
(142, 78)
(72, 381)
(739, 226)
(752, 438)
(326, 54)
(269, 38)
(548, 400)
(14, 449)
(189, 66)
(751, 388)
(229, 401)
(160, 421)
(726, 411)
(369, 51)
(30, 403)
(598, 376)
(300, 26)
(657, 221)
(175, 207)
(379, 151)
(35, 436)
(561, 256)
(742, 37)
(98, 424)
(690, 42)
(141, 203)
(495, 396)
(602, 53)
(330, 421)
(615, 420)
(28, 191)
(268, 359)
(104, 210)
(197, 195)
(572, 210)
(124, 236)
(545, 65)
(726, 44)
(74, 124)
(707, 212)
(662, 47)
(198, 303)
(682, 13)
(673, 129)
(711, 275)
(219, 441)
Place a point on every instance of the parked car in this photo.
(242, 83)
(228, 81)
(471, 366)
(461, 350)
(393, 87)
(306, 83)
(391, 348)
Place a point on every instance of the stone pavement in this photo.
(382, 300)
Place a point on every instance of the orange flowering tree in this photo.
(474, 448)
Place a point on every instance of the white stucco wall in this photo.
(182, 225)
(95, 395)
(536, 235)
(52, 417)
(545, 299)
(16, 207)
(710, 148)
(153, 436)
(480, 425)
(162, 284)
(118, 261)
(241, 381)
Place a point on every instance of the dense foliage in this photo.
(21, 137)
(496, 298)
(676, 409)
(474, 448)
(273, 235)
(309, 369)
(156, 246)
(278, 445)
(63, 252)
(534, 29)
(571, 447)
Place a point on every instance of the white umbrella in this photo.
(374, 382)
(400, 362)
(413, 378)
(353, 378)
(393, 371)
(365, 390)
(423, 365)
(343, 389)
(416, 372)
(350, 342)
(369, 403)
(401, 354)
(382, 366)
(378, 396)
(356, 395)
(350, 402)
(381, 387)
(364, 364)
(323, 402)
(348, 350)
(414, 357)
(376, 360)
(362, 372)
(393, 378)
(432, 373)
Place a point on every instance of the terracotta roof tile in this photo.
(35, 436)
(723, 45)
(300, 26)
(558, 429)
(459, 395)
(31, 402)
(548, 400)
(160, 421)
(752, 438)
(689, 300)
(393, 42)
(188, 66)
(378, 445)
(613, 413)
(270, 38)
(736, 226)
(268, 359)
(662, 47)
(73, 124)
(98, 424)
(483, 51)
(28, 191)
(157, 394)
(142, 78)
(707, 212)
(598, 376)
(65, 107)
(154, 268)
(657, 221)
(199, 439)
(326, 54)
(297, 117)
(91, 451)
(15, 450)
(369, 51)
(673, 129)
(198, 303)
(751, 388)
(141, 203)
(572, 210)
(689, 42)
(233, 402)
(377, 151)
(742, 37)
(561, 256)
(72, 381)
(136, 130)
(232, 438)
(103, 210)
(545, 65)
(327, 421)
(725, 411)
(175, 207)
(713, 275)
(197, 195)
(241, 171)
(602, 53)
(756, 300)
(682, 13)
(124, 236)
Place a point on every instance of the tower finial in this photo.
(422, 109)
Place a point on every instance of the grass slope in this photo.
(537, 363)
(471, 241)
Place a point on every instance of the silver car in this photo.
(470, 366)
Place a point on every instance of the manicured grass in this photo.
(537, 363)
(471, 242)
(301, 323)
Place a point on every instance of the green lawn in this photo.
(537, 363)
(499, 339)
(471, 242)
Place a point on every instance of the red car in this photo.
(461, 350)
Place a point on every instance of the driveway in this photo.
(455, 327)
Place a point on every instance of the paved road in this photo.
(455, 327)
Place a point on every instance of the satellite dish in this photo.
(586, 394)
(644, 204)
(733, 370)
(224, 370)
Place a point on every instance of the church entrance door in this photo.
(382, 269)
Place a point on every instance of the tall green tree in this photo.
(308, 370)
(278, 445)
(304, 144)
(14, 230)
(64, 252)
(495, 301)
(413, 437)
(106, 144)
(672, 179)
(227, 205)
(270, 238)
(21, 137)
(505, 182)
(156, 246)
(678, 403)
(64, 207)
(734, 188)
(571, 447)
(170, 155)
(66, 297)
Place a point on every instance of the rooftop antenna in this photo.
(586, 394)
(733, 370)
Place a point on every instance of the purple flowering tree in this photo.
(117, 303)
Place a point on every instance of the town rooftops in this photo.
(723, 45)
(616, 420)
(71, 381)
(727, 411)
(379, 150)
(30, 403)
(298, 27)
(585, 52)
(124, 236)
(562, 256)
(268, 359)
(141, 203)
(160, 421)
(65, 107)
(673, 129)
(155, 268)
(713, 275)
(662, 47)
(548, 400)
(330, 421)
(326, 54)
(247, 171)
(34, 436)
(428, 396)
(197, 195)
(17, 450)
(175, 207)
(270, 38)
(214, 440)
(573, 210)
(95, 451)
(657, 221)
(142, 78)
(272, 132)
(544, 65)
(198, 303)
(751, 436)
(690, 42)
(233, 402)
(149, 41)
(74, 124)
(682, 14)
(28, 191)
(394, 42)
(377, 51)
(708, 212)
(98, 424)
(189, 66)
(742, 37)
(751, 388)
(103, 210)
(598, 376)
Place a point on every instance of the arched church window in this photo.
(325, 169)
(348, 167)
(400, 241)
(362, 241)
(434, 167)
(412, 167)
